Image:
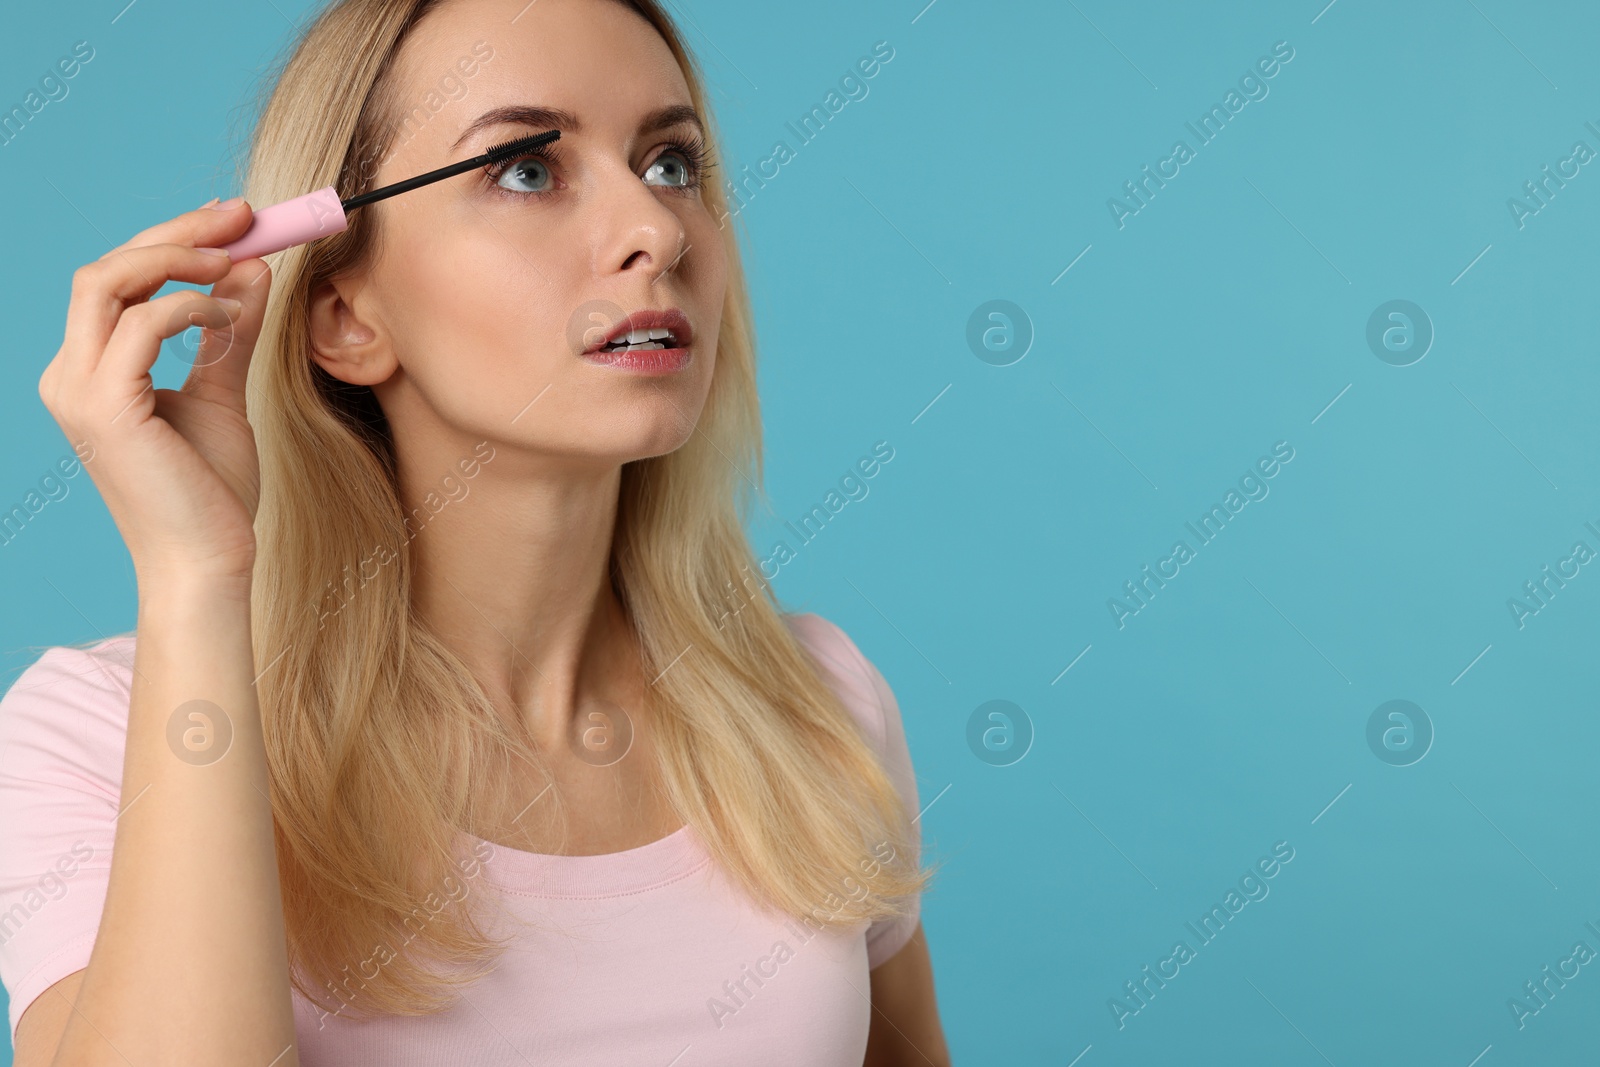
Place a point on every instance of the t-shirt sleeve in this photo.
(868, 694)
(62, 725)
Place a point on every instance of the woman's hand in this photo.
(177, 468)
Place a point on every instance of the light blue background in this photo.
(1231, 712)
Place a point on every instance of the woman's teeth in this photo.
(642, 340)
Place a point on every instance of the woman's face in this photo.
(487, 287)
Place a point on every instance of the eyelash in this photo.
(693, 149)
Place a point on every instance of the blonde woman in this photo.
(442, 737)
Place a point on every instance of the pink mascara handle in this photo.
(293, 222)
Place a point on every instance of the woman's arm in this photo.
(42, 1023)
(190, 964)
(905, 1013)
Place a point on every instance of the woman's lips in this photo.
(641, 322)
(647, 361)
(668, 323)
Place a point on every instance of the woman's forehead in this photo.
(556, 38)
(586, 67)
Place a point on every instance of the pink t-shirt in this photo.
(645, 956)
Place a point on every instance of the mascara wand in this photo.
(322, 213)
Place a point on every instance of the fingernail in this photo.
(213, 251)
(231, 202)
(229, 304)
(208, 203)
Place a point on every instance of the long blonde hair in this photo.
(377, 734)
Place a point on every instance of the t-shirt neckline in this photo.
(632, 870)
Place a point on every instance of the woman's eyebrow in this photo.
(554, 118)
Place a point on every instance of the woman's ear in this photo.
(347, 347)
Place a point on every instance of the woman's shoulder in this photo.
(104, 666)
(67, 713)
(857, 680)
(863, 689)
(63, 724)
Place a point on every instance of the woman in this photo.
(446, 735)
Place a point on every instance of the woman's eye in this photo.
(529, 170)
(677, 170)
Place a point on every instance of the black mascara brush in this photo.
(319, 214)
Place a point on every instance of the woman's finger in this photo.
(103, 290)
(123, 373)
(196, 228)
(221, 361)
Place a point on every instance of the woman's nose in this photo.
(643, 233)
